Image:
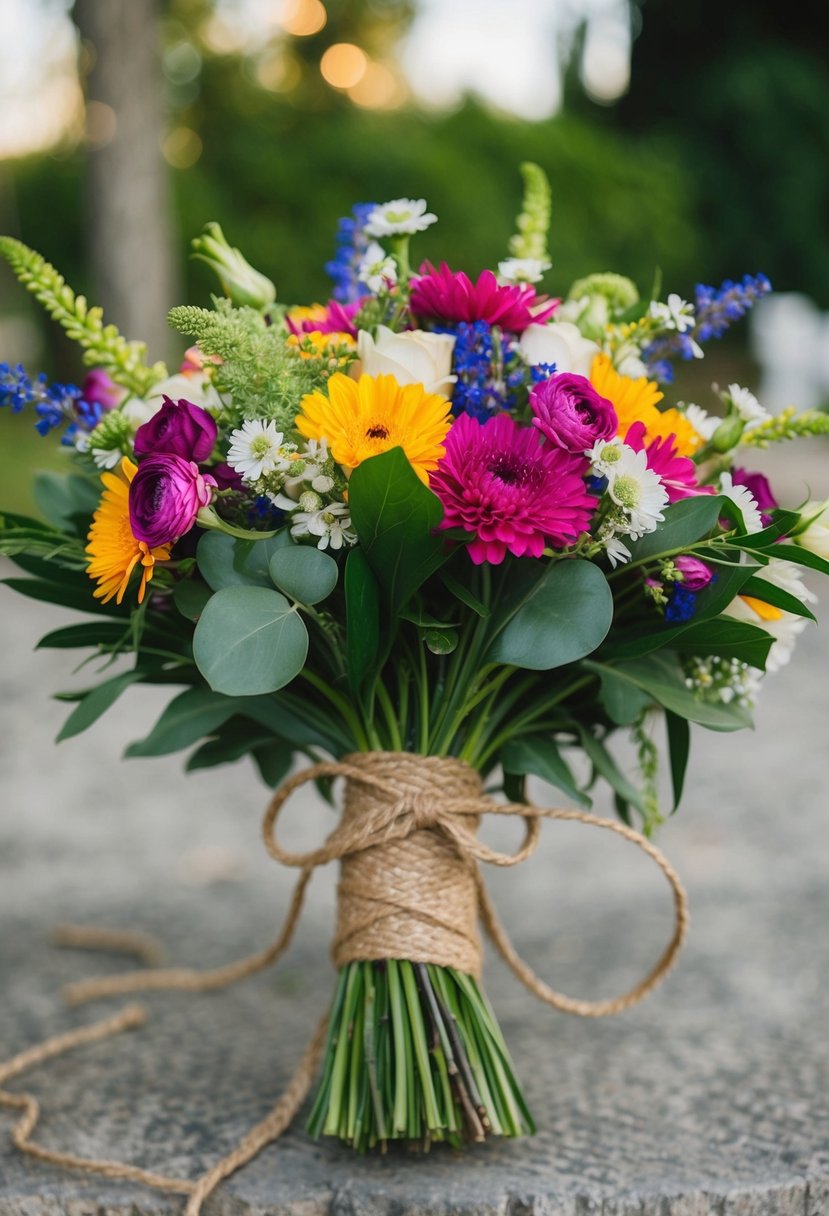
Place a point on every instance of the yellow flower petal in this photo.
(637, 401)
(113, 550)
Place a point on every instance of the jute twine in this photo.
(410, 887)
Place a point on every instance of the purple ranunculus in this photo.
(758, 485)
(226, 478)
(166, 495)
(99, 388)
(571, 414)
(696, 575)
(178, 429)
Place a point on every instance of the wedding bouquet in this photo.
(437, 535)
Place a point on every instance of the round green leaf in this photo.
(564, 617)
(304, 574)
(228, 561)
(249, 640)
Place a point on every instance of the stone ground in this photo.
(711, 1097)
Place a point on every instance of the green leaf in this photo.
(565, 617)
(781, 525)
(304, 574)
(273, 762)
(64, 497)
(679, 748)
(187, 719)
(462, 593)
(249, 640)
(539, 756)
(90, 633)
(686, 522)
(235, 739)
(66, 596)
(96, 703)
(225, 561)
(801, 557)
(362, 618)
(190, 596)
(661, 676)
(605, 765)
(728, 639)
(623, 701)
(395, 517)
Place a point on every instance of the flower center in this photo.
(627, 491)
(507, 469)
(377, 432)
(260, 446)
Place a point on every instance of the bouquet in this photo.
(436, 536)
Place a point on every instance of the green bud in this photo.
(727, 434)
(441, 640)
(243, 285)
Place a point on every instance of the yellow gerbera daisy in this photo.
(361, 418)
(113, 550)
(637, 401)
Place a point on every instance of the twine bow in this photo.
(394, 800)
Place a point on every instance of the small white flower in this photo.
(258, 448)
(744, 501)
(400, 217)
(604, 457)
(309, 469)
(703, 423)
(675, 313)
(107, 458)
(331, 523)
(377, 270)
(523, 270)
(617, 551)
(637, 490)
(746, 404)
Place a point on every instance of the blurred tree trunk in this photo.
(129, 223)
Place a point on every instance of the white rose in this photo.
(416, 357)
(560, 342)
(815, 536)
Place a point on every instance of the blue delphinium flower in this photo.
(681, 605)
(475, 392)
(54, 404)
(352, 244)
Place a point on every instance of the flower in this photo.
(637, 400)
(513, 492)
(784, 627)
(99, 388)
(246, 287)
(400, 217)
(330, 523)
(814, 536)
(696, 575)
(415, 357)
(114, 551)
(570, 413)
(678, 474)
(761, 491)
(166, 495)
(451, 296)
(361, 418)
(523, 270)
(180, 428)
(637, 490)
(745, 502)
(561, 343)
(330, 318)
(257, 448)
(746, 404)
(675, 314)
(378, 270)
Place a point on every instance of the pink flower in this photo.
(179, 428)
(516, 494)
(758, 485)
(695, 574)
(99, 388)
(678, 473)
(571, 414)
(450, 296)
(166, 495)
(330, 318)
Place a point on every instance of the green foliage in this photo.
(304, 574)
(102, 344)
(263, 375)
(248, 641)
(788, 424)
(533, 222)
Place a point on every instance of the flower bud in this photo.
(727, 434)
(244, 286)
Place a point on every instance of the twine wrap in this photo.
(410, 888)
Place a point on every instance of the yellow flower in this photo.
(636, 401)
(113, 550)
(315, 344)
(361, 418)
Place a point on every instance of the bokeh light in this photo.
(343, 65)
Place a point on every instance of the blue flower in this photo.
(54, 404)
(352, 243)
(681, 605)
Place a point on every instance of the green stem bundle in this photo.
(414, 1054)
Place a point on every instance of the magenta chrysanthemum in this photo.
(677, 473)
(330, 318)
(452, 296)
(516, 494)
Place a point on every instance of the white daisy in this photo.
(617, 552)
(400, 217)
(604, 457)
(522, 270)
(744, 501)
(331, 523)
(637, 490)
(703, 423)
(746, 404)
(377, 270)
(258, 448)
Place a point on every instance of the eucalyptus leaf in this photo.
(538, 756)
(565, 617)
(190, 596)
(248, 641)
(222, 562)
(303, 573)
(395, 517)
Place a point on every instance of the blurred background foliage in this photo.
(704, 157)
